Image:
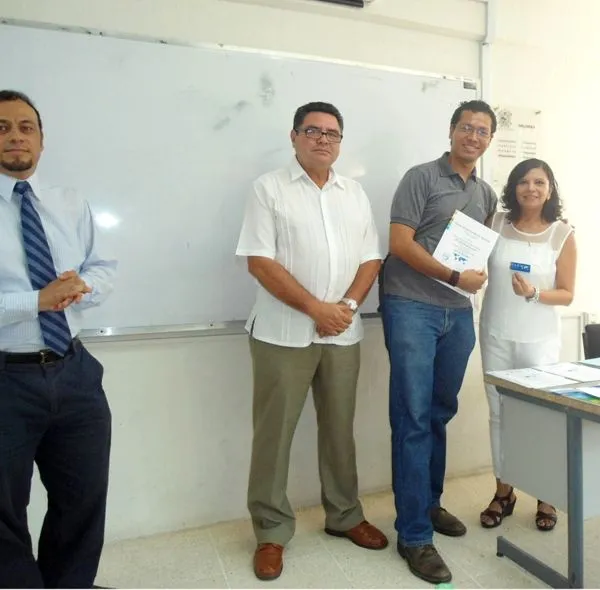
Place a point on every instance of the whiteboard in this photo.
(165, 140)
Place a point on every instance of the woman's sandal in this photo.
(545, 521)
(495, 516)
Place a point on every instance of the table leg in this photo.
(575, 500)
(531, 564)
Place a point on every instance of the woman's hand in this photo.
(521, 286)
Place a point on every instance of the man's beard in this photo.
(17, 165)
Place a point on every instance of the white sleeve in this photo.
(371, 249)
(18, 307)
(258, 236)
(561, 231)
(97, 270)
(498, 220)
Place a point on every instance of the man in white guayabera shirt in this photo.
(312, 245)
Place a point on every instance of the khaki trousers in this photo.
(282, 377)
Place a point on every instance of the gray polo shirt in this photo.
(425, 200)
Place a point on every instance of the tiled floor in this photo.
(220, 556)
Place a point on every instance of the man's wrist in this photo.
(42, 304)
(454, 278)
(351, 303)
(311, 307)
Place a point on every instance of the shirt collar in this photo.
(296, 172)
(447, 170)
(7, 186)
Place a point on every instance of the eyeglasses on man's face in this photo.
(316, 134)
(467, 129)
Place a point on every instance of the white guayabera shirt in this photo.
(320, 236)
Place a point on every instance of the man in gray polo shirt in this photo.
(429, 331)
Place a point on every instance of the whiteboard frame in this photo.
(473, 83)
(108, 333)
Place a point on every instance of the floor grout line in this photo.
(339, 565)
(221, 564)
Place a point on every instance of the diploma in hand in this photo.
(465, 244)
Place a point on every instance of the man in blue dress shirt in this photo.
(53, 410)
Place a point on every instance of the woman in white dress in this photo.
(531, 272)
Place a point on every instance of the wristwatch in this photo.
(351, 303)
(535, 298)
(454, 278)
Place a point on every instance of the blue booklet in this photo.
(581, 394)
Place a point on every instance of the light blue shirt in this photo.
(72, 237)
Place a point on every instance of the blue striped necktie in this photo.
(54, 326)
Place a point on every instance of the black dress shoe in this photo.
(446, 524)
(426, 563)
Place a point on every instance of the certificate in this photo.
(466, 244)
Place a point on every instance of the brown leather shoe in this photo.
(446, 523)
(268, 561)
(364, 535)
(426, 563)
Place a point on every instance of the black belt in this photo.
(41, 357)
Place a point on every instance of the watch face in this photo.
(351, 304)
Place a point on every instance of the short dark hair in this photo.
(475, 106)
(552, 209)
(317, 107)
(9, 95)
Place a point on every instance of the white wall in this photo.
(547, 56)
(401, 33)
(181, 407)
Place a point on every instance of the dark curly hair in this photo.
(552, 209)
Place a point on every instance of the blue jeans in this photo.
(429, 347)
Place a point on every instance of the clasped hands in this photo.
(67, 289)
(331, 319)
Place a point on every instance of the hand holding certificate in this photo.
(465, 244)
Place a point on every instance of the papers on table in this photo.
(560, 378)
(465, 244)
(532, 378)
(575, 371)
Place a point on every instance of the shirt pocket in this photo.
(300, 225)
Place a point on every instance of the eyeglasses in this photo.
(480, 131)
(316, 134)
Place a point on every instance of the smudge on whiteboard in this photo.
(267, 90)
(236, 109)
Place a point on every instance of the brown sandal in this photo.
(545, 521)
(497, 517)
